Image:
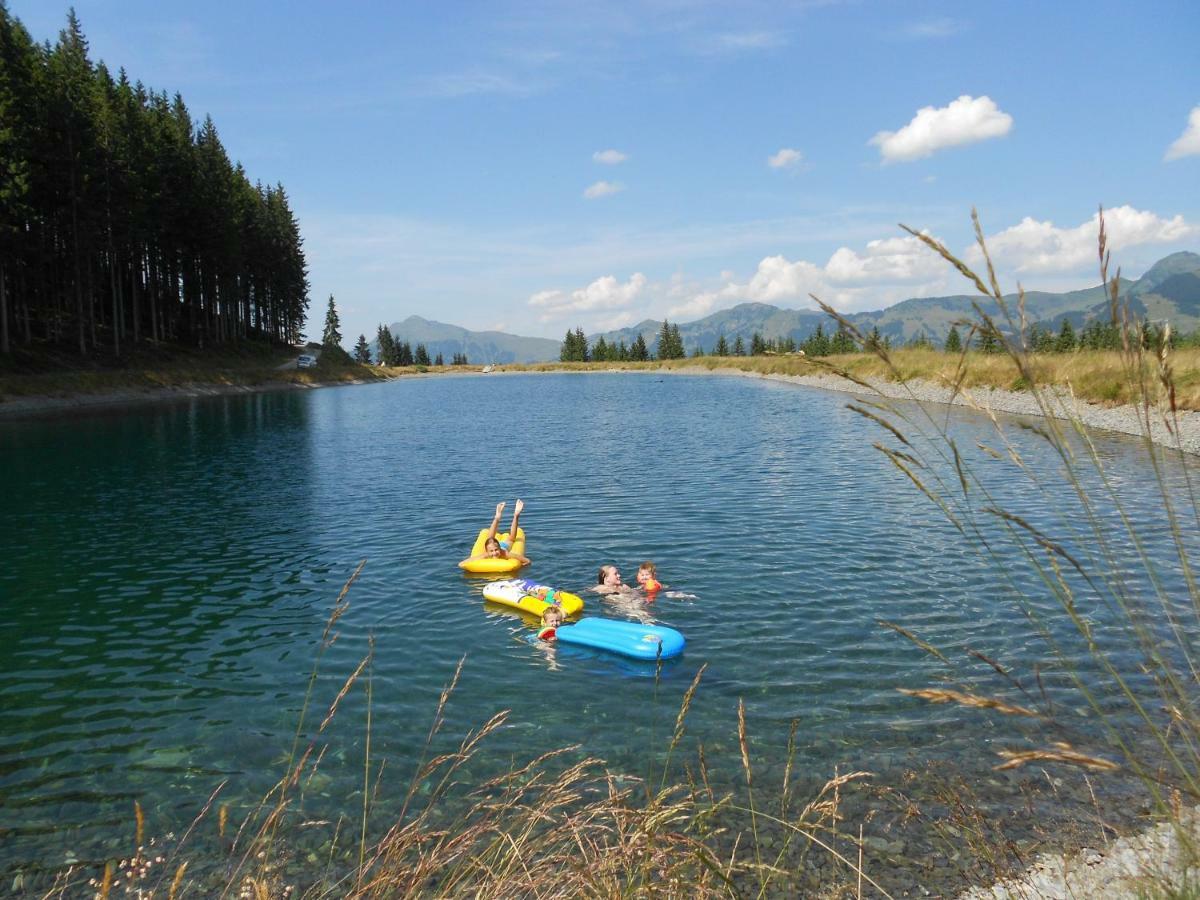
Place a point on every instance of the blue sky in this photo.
(537, 166)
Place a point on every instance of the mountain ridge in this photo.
(1168, 290)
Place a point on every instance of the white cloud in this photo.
(1044, 248)
(933, 28)
(1188, 143)
(887, 261)
(603, 189)
(729, 43)
(610, 157)
(785, 158)
(884, 272)
(965, 121)
(604, 293)
(475, 81)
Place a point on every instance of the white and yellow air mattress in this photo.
(527, 595)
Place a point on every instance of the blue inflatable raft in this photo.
(649, 642)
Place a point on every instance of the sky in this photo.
(533, 167)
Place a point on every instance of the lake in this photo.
(168, 571)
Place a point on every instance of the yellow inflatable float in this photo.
(481, 564)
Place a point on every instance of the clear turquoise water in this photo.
(167, 572)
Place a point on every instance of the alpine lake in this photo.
(168, 571)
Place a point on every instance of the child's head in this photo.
(647, 572)
(609, 576)
(552, 616)
(492, 549)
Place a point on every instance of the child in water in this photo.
(647, 578)
(493, 547)
(552, 618)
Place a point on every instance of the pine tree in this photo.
(581, 345)
(600, 350)
(739, 349)
(664, 341)
(362, 351)
(438, 361)
(638, 352)
(874, 340)
(677, 343)
(758, 346)
(722, 348)
(404, 354)
(817, 343)
(1066, 338)
(386, 346)
(332, 336)
(421, 357)
(953, 341)
(988, 341)
(842, 342)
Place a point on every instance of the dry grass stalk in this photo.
(941, 695)
(924, 645)
(1062, 752)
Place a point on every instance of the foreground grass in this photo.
(1100, 376)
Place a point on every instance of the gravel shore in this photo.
(1122, 419)
(1148, 864)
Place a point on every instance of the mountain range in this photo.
(1169, 290)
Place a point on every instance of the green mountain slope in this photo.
(481, 347)
(1169, 290)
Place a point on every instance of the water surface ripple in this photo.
(168, 570)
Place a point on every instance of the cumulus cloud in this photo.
(888, 261)
(603, 189)
(1188, 143)
(785, 158)
(610, 157)
(883, 272)
(1042, 247)
(603, 294)
(966, 120)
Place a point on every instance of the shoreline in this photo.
(1062, 405)
(985, 400)
(36, 405)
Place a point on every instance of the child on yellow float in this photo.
(493, 548)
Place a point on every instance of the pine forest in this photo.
(122, 221)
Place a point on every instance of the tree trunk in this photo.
(3, 309)
(116, 306)
(135, 272)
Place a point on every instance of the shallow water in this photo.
(168, 571)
